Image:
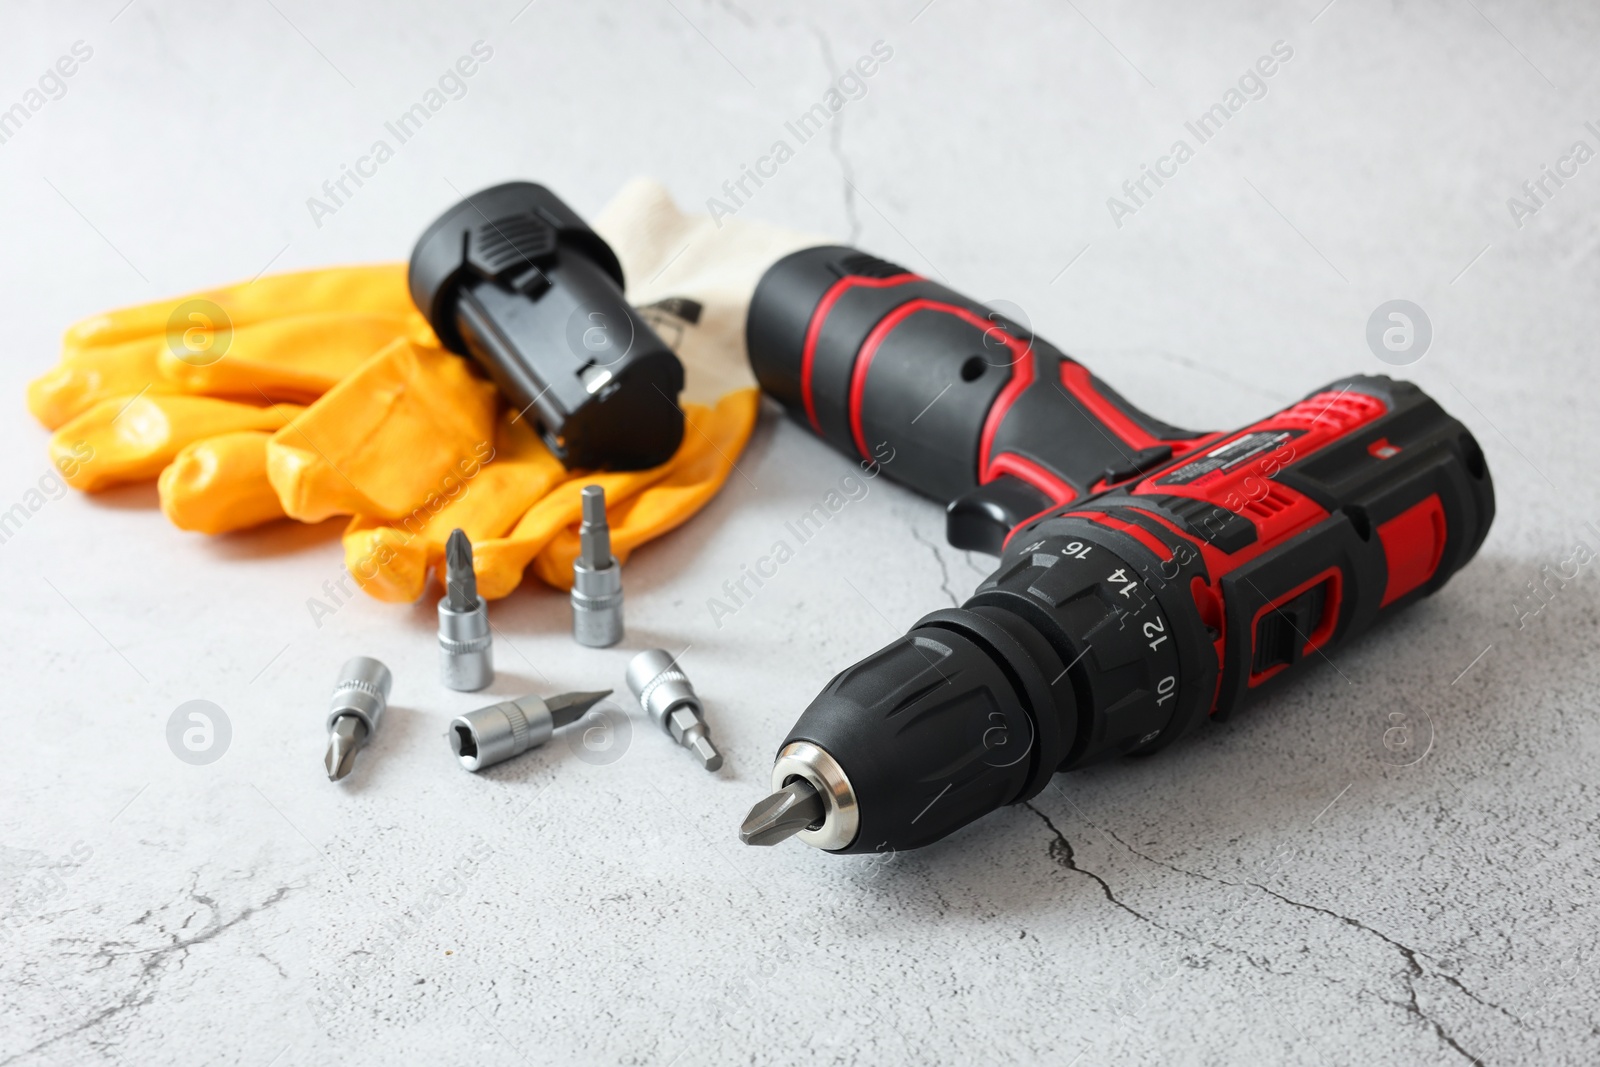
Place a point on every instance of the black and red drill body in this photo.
(1149, 578)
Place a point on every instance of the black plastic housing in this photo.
(515, 279)
(869, 354)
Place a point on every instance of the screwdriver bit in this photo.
(667, 696)
(797, 806)
(466, 654)
(596, 577)
(348, 734)
(461, 581)
(500, 731)
(359, 698)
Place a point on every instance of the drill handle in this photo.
(950, 397)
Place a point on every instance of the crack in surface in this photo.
(1212, 372)
(836, 142)
(155, 958)
(1414, 969)
(1062, 853)
(944, 568)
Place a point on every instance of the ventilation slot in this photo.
(866, 266)
(1333, 412)
(514, 241)
(1271, 504)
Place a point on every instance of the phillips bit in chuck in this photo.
(360, 697)
(797, 806)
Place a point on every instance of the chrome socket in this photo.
(500, 731)
(466, 652)
(596, 604)
(363, 691)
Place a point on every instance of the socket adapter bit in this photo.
(500, 731)
(466, 653)
(359, 698)
(667, 696)
(596, 577)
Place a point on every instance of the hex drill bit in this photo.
(596, 577)
(466, 653)
(359, 698)
(594, 534)
(668, 697)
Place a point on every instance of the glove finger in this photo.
(130, 440)
(714, 440)
(70, 388)
(387, 440)
(391, 560)
(297, 358)
(219, 484)
(378, 289)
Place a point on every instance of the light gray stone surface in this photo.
(1275, 890)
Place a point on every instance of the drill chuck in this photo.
(815, 802)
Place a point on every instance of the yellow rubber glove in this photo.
(398, 433)
(410, 423)
(220, 484)
(383, 438)
(133, 438)
(282, 337)
(172, 380)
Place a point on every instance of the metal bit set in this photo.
(507, 729)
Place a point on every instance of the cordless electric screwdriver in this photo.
(1149, 578)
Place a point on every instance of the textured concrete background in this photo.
(1282, 889)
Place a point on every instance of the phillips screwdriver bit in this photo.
(466, 654)
(667, 696)
(500, 731)
(596, 577)
(359, 698)
(797, 806)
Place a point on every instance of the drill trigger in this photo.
(981, 519)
